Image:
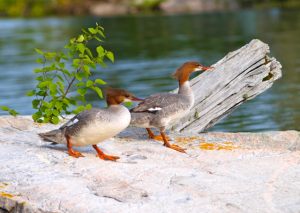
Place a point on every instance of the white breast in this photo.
(102, 129)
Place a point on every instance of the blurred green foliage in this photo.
(269, 3)
(42, 7)
(79, 7)
(146, 5)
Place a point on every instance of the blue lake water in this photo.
(149, 48)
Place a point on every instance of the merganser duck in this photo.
(162, 109)
(93, 126)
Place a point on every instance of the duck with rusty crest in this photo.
(162, 109)
(95, 125)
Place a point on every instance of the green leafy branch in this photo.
(9, 110)
(64, 78)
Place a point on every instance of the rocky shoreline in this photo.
(112, 8)
(232, 172)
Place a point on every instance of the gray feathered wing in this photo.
(71, 127)
(153, 109)
(156, 102)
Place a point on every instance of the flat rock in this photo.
(221, 172)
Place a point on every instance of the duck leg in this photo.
(104, 156)
(71, 151)
(171, 146)
(155, 137)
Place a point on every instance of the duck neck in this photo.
(111, 101)
(185, 88)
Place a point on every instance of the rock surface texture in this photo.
(221, 172)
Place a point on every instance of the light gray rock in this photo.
(108, 9)
(243, 172)
(179, 6)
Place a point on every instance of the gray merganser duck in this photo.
(162, 109)
(93, 126)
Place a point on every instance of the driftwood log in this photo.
(240, 76)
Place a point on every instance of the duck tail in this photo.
(56, 136)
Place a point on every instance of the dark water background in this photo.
(149, 48)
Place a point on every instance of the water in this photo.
(149, 48)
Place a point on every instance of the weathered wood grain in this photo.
(240, 76)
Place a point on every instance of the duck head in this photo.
(116, 96)
(183, 73)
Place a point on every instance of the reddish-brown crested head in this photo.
(116, 96)
(183, 73)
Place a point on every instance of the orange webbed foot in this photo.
(71, 151)
(108, 157)
(75, 154)
(176, 147)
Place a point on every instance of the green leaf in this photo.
(92, 30)
(46, 104)
(110, 56)
(72, 40)
(39, 61)
(86, 69)
(80, 38)
(13, 112)
(88, 51)
(55, 120)
(39, 78)
(41, 93)
(100, 50)
(88, 107)
(61, 86)
(72, 101)
(50, 55)
(55, 112)
(101, 33)
(80, 84)
(5, 108)
(98, 39)
(38, 70)
(48, 112)
(35, 103)
(36, 115)
(93, 65)
(98, 91)
(100, 81)
(61, 65)
(39, 51)
(89, 83)
(78, 109)
(66, 101)
(43, 84)
(81, 47)
(76, 62)
(81, 91)
(65, 71)
(58, 105)
(128, 104)
(79, 76)
(30, 93)
(53, 89)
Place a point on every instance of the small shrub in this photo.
(65, 76)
